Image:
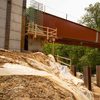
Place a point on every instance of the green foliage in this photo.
(92, 16)
(59, 49)
(81, 56)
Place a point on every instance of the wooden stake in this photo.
(98, 75)
(73, 69)
(87, 77)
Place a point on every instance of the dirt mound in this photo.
(20, 56)
(31, 88)
(36, 76)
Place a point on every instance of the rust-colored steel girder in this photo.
(71, 33)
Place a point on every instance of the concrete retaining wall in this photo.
(35, 44)
(16, 23)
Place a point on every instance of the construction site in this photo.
(26, 71)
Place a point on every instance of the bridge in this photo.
(68, 32)
(72, 33)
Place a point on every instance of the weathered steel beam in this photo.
(77, 42)
(68, 30)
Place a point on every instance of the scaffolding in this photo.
(36, 30)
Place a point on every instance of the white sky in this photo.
(73, 8)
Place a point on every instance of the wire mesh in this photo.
(34, 13)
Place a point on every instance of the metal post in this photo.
(98, 75)
(38, 6)
(32, 28)
(35, 31)
(87, 77)
(97, 36)
(53, 48)
(66, 16)
(47, 33)
(44, 8)
(73, 69)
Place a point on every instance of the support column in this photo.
(87, 77)
(23, 25)
(98, 75)
(8, 21)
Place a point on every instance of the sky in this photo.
(73, 9)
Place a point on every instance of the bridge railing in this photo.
(64, 60)
(39, 30)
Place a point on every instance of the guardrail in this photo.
(39, 30)
(64, 60)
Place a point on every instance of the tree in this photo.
(92, 17)
(92, 20)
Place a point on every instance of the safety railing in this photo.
(39, 30)
(64, 60)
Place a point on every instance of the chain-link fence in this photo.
(34, 13)
(36, 5)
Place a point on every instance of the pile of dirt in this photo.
(36, 76)
(20, 56)
(96, 91)
(31, 88)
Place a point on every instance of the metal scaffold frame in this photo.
(39, 30)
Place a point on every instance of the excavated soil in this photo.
(31, 88)
(20, 56)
